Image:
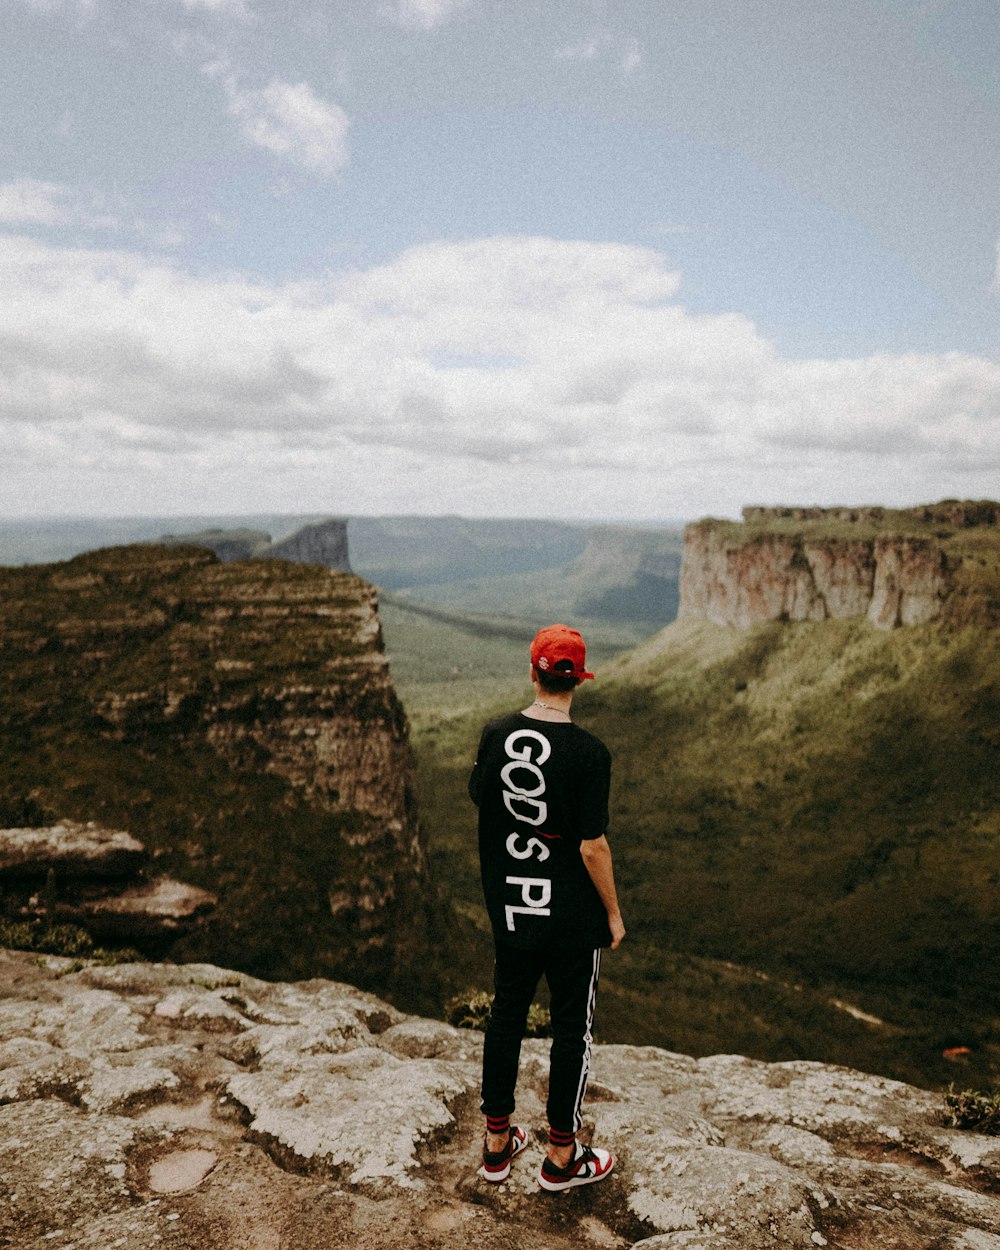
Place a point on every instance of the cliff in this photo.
(324, 543)
(240, 719)
(812, 564)
(201, 1109)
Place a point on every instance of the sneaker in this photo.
(496, 1163)
(587, 1166)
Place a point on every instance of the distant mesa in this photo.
(894, 567)
(323, 543)
(628, 574)
(237, 544)
(960, 513)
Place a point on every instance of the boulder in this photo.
(158, 908)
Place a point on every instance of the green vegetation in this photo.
(805, 821)
(60, 939)
(831, 524)
(974, 1109)
(471, 1010)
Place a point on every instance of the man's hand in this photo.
(617, 927)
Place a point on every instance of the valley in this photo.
(805, 805)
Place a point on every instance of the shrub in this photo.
(972, 1109)
(60, 939)
(471, 1010)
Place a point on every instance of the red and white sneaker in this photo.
(587, 1166)
(496, 1163)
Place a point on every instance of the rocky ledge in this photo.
(87, 875)
(186, 1106)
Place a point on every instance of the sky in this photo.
(644, 260)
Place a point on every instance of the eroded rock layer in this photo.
(815, 564)
(237, 717)
(202, 1109)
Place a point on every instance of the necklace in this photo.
(550, 707)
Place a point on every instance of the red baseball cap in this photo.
(560, 650)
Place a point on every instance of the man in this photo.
(541, 785)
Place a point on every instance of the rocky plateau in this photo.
(193, 1108)
(816, 564)
(240, 720)
(323, 543)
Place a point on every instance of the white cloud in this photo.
(421, 14)
(627, 52)
(84, 8)
(585, 51)
(631, 56)
(472, 369)
(289, 119)
(29, 201)
(228, 8)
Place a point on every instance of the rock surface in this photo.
(158, 685)
(227, 544)
(816, 564)
(69, 849)
(153, 908)
(199, 1109)
(96, 878)
(324, 543)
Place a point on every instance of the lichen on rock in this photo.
(319, 1115)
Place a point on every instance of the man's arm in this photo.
(597, 860)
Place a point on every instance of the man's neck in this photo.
(550, 707)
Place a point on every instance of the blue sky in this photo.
(568, 258)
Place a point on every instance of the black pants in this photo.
(572, 977)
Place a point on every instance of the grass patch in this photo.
(60, 939)
(471, 1010)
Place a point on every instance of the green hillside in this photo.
(624, 585)
(806, 820)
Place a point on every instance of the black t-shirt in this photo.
(541, 788)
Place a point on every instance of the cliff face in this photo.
(891, 581)
(203, 1109)
(806, 564)
(237, 716)
(324, 542)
